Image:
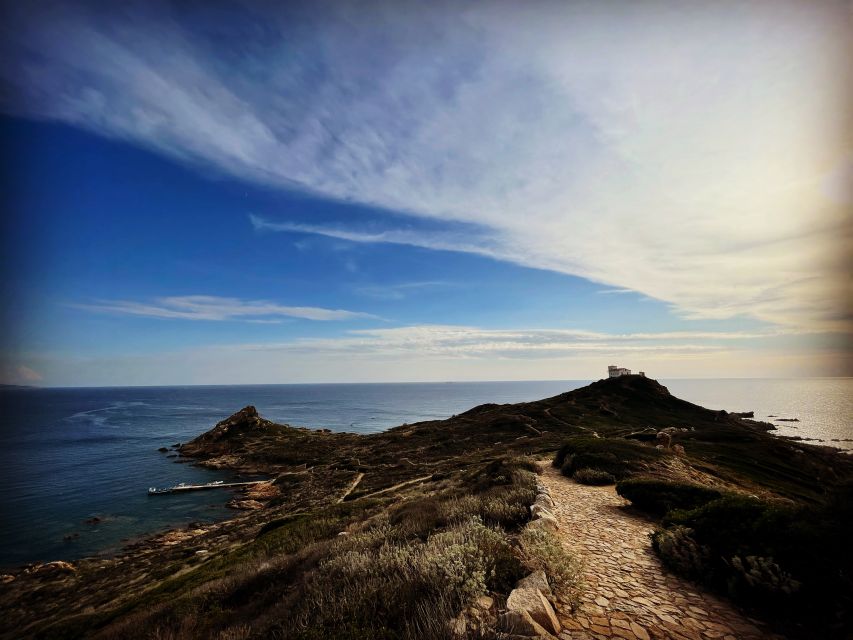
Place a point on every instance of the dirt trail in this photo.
(351, 487)
(628, 593)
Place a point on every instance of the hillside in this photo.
(631, 407)
(416, 486)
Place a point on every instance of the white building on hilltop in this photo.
(614, 372)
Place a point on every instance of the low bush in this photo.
(419, 517)
(681, 553)
(401, 591)
(543, 551)
(791, 562)
(593, 477)
(660, 496)
(617, 456)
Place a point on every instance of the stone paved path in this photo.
(628, 593)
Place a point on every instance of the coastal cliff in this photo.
(416, 494)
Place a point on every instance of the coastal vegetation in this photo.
(424, 531)
(740, 511)
(588, 475)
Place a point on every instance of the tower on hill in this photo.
(614, 372)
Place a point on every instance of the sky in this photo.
(259, 192)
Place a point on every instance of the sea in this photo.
(76, 463)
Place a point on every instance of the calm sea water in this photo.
(69, 455)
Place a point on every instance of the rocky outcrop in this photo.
(533, 601)
(54, 568)
(536, 580)
(245, 422)
(262, 491)
(529, 610)
(236, 503)
(521, 623)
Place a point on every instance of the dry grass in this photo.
(400, 573)
(543, 551)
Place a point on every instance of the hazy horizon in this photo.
(391, 382)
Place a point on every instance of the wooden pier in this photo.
(201, 487)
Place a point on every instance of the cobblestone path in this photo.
(628, 593)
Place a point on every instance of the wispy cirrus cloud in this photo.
(216, 308)
(467, 342)
(442, 352)
(475, 341)
(400, 290)
(478, 242)
(610, 292)
(688, 153)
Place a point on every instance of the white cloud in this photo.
(681, 151)
(400, 290)
(431, 352)
(217, 308)
(449, 341)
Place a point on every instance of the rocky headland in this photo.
(428, 530)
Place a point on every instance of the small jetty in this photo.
(219, 484)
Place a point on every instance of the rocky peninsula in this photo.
(484, 525)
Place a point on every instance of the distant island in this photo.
(500, 522)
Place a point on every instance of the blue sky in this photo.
(243, 194)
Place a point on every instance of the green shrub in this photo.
(616, 456)
(733, 524)
(764, 574)
(503, 471)
(419, 517)
(680, 552)
(593, 477)
(543, 551)
(660, 496)
(791, 562)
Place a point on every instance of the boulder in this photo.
(537, 510)
(544, 521)
(664, 438)
(532, 601)
(520, 623)
(545, 500)
(244, 504)
(55, 567)
(678, 450)
(536, 580)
